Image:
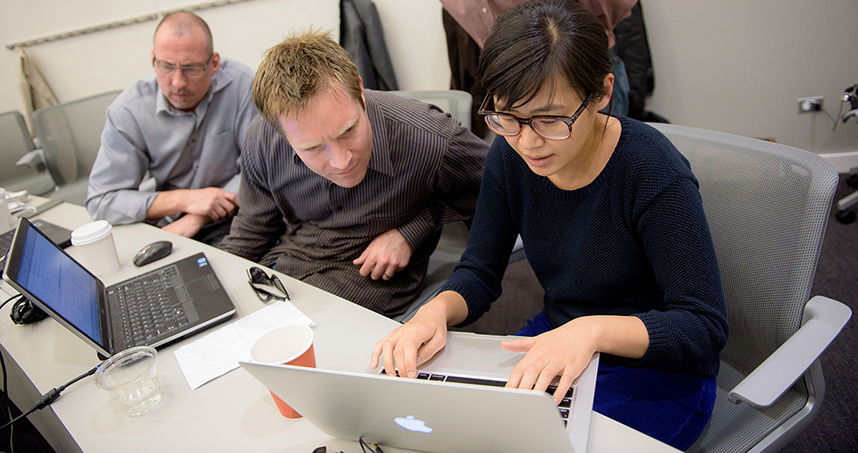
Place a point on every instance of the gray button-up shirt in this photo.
(180, 150)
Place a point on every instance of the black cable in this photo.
(5, 382)
(49, 397)
(9, 300)
(372, 447)
(852, 99)
(44, 401)
(831, 118)
(840, 111)
(5, 392)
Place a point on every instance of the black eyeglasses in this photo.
(164, 69)
(552, 127)
(266, 286)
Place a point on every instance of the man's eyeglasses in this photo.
(551, 127)
(266, 286)
(165, 69)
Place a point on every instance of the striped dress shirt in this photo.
(425, 171)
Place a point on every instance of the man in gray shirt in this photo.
(184, 125)
(344, 188)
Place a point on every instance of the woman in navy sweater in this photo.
(613, 227)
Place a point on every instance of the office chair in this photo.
(20, 161)
(454, 236)
(767, 206)
(70, 135)
(456, 103)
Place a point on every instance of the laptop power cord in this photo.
(46, 399)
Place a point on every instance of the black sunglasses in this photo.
(266, 286)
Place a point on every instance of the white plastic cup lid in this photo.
(91, 232)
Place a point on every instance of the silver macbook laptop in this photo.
(457, 404)
(155, 308)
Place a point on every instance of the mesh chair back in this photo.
(70, 135)
(767, 206)
(456, 103)
(15, 143)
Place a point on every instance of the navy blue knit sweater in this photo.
(633, 242)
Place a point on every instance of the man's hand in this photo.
(188, 225)
(387, 254)
(213, 203)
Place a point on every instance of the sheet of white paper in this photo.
(219, 352)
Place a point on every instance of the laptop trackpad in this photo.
(479, 354)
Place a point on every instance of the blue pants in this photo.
(673, 408)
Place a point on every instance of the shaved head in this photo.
(183, 23)
(183, 42)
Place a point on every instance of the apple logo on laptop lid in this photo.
(412, 424)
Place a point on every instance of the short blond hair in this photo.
(298, 68)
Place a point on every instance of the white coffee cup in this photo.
(6, 220)
(97, 249)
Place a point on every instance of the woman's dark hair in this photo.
(536, 42)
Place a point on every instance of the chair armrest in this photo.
(823, 319)
(34, 159)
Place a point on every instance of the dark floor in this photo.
(834, 430)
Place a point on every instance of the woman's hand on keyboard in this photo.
(566, 350)
(419, 339)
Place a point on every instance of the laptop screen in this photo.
(59, 282)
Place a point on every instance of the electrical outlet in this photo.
(810, 104)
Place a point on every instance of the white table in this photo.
(232, 413)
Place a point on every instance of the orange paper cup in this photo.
(287, 345)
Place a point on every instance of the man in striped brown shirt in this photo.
(345, 188)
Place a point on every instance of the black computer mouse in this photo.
(153, 252)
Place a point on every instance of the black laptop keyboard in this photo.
(563, 407)
(145, 307)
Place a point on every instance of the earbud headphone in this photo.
(24, 312)
(851, 95)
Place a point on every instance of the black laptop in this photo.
(154, 309)
(58, 234)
